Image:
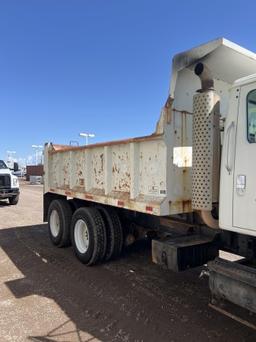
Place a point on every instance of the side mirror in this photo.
(15, 167)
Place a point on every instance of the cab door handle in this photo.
(228, 163)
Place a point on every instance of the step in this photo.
(183, 252)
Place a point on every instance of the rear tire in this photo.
(14, 200)
(114, 232)
(88, 235)
(59, 219)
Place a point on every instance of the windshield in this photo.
(3, 165)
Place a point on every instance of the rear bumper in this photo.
(6, 193)
(234, 282)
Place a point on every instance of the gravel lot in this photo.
(47, 295)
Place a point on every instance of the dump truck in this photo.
(190, 187)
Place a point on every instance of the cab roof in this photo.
(245, 80)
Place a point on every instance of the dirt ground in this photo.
(47, 295)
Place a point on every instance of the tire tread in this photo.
(95, 220)
(116, 235)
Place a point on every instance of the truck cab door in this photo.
(244, 181)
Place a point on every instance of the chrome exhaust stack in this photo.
(206, 147)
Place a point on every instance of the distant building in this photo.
(34, 170)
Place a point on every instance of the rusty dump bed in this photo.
(150, 174)
(129, 173)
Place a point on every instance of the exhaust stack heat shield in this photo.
(206, 159)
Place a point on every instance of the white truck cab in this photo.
(238, 181)
(9, 184)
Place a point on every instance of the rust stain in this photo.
(186, 205)
(182, 111)
(101, 161)
(115, 168)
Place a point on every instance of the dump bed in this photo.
(130, 174)
(150, 174)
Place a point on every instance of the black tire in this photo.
(14, 200)
(60, 237)
(110, 233)
(95, 249)
(114, 232)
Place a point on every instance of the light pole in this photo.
(9, 153)
(10, 159)
(38, 149)
(87, 136)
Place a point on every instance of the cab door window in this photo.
(251, 116)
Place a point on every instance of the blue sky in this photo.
(101, 65)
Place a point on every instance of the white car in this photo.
(9, 184)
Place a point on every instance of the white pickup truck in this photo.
(9, 184)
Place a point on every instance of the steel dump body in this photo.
(150, 174)
(130, 174)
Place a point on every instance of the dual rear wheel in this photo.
(59, 219)
(95, 232)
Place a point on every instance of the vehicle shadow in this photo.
(126, 300)
(3, 204)
(76, 289)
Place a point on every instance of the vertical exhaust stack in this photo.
(206, 147)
